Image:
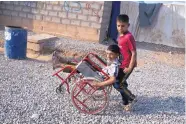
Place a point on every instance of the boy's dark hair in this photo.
(123, 18)
(114, 48)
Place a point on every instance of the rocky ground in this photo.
(27, 92)
(27, 89)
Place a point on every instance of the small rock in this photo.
(35, 116)
(137, 70)
(41, 66)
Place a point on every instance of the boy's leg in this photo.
(116, 85)
(127, 95)
(122, 88)
(124, 91)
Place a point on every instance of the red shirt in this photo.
(126, 44)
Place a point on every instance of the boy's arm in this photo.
(133, 59)
(132, 48)
(132, 62)
(111, 80)
(112, 72)
(112, 77)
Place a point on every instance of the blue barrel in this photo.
(15, 42)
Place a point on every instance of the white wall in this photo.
(168, 28)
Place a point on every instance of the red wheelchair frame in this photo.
(83, 90)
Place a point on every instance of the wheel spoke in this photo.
(87, 99)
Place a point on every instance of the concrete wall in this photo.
(84, 20)
(168, 28)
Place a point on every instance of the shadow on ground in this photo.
(27, 59)
(148, 106)
(39, 61)
(159, 48)
(153, 47)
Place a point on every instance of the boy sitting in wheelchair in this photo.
(112, 69)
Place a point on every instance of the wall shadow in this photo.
(159, 48)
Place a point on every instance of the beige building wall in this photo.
(83, 20)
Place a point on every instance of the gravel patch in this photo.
(77, 46)
(28, 95)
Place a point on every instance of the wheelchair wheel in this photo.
(60, 90)
(85, 97)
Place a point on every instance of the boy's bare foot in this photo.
(129, 107)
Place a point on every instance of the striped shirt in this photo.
(113, 68)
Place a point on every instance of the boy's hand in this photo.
(127, 70)
(96, 84)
